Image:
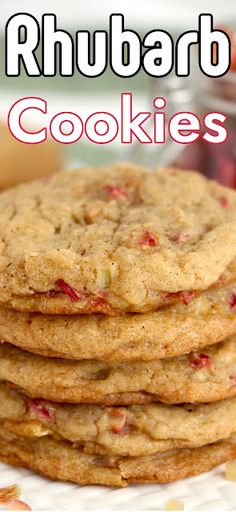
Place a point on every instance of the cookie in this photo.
(138, 430)
(178, 329)
(114, 240)
(205, 376)
(61, 461)
(25, 162)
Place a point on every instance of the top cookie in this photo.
(114, 240)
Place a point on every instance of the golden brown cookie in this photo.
(138, 430)
(205, 376)
(113, 240)
(178, 329)
(25, 162)
(61, 461)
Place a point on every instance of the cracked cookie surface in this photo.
(112, 240)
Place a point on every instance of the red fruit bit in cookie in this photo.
(233, 379)
(74, 295)
(99, 300)
(180, 237)
(10, 385)
(201, 361)
(177, 238)
(115, 191)
(170, 295)
(186, 297)
(148, 239)
(223, 200)
(119, 420)
(232, 301)
(52, 294)
(38, 408)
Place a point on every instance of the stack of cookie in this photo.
(118, 325)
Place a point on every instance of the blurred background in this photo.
(85, 96)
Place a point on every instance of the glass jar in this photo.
(200, 95)
(219, 95)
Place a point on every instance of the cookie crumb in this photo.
(174, 505)
(9, 493)
(230, 471)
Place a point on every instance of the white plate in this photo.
(209, 491)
